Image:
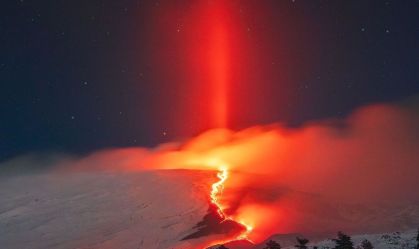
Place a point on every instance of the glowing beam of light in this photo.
(219, 74)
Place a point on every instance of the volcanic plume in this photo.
(357, 174)
(271, 176)
(274, 179)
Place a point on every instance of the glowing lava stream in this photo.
(216, 192)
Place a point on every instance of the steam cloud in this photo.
(281, 176)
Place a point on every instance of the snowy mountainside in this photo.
(152, 210)
(395, 240)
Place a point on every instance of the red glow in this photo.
(218, 60)
(216, 193)
(205, 41)
(215, 64)
(212, 53)
(217, 189)
(268, 173)
(263, 159)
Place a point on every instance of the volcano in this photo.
(153, 209)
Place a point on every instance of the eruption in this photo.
(217, 68)
(217, 189)
(357, 175)
(275, 179)
(321, 177)
(216, 192)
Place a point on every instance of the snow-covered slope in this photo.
(151, 210)
(396, 240)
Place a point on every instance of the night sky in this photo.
(77, 76)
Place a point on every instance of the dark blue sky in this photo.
(77, 76)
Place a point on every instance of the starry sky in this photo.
(78, 76)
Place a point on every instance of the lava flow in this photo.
(216, 192)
